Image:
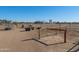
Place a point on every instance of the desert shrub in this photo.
(27, 29)
(7, 28)
(38, 22)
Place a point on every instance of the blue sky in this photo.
(40, 13)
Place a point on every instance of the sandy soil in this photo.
(11, 41)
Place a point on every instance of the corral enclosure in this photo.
(12, 40)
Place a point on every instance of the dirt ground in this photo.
(12, 40)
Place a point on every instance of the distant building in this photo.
(50, 21)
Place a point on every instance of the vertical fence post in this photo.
(39, 32)
(65, 36)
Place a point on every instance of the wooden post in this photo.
(65, 36)
(39, 32)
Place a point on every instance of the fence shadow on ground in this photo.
(42, 42)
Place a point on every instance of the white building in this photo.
(50, 21)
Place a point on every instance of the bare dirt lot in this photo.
(12, 40)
